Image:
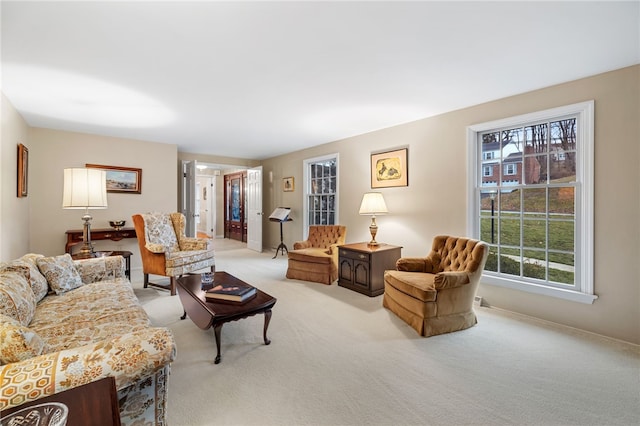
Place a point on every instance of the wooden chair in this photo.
(166, 250)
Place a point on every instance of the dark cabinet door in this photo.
(235, 209)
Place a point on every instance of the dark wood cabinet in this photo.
(361, 267)
(235, 211)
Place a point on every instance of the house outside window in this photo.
(321, 191)
(537, 215)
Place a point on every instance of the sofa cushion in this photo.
(89, 314)
(16, 298)
(17, 342)
(60, 273)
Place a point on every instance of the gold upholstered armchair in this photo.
(316, 258)
(434, 294)
(166, 250)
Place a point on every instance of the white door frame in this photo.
(254, 208)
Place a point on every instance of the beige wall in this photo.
(436, 201)
(54, 150)
(14, 211)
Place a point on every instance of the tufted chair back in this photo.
(456, 254)
(324, 236)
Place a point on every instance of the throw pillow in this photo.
(17, 342)
(60, 273)
(16, 298)
(36, 279)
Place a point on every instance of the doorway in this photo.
(205, 206)
(235, 210)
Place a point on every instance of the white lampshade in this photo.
(84, 189)
(373, 204)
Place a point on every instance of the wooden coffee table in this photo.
(205, 313)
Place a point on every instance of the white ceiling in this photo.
(259, 79)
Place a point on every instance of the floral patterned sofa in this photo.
(65, 323)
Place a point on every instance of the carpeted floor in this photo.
(338, 358)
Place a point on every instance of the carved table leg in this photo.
(184, 315)
(267, 319)
(217, 331)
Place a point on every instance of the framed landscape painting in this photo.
(389, 169)
(121, 179)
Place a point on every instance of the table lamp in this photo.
(372, 204)
(85, 189)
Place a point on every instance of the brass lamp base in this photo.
(373, 229)
(87, 248)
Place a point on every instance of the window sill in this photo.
(560, 293)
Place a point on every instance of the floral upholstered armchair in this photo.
(166, 250)
(316, 258)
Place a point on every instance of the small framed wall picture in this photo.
(23, 171)
(288, 184)
(389, 169)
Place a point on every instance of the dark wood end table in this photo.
(361, 266)
(206, 314)
(95, 403)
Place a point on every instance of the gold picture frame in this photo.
(390, 169)
(126, 180)
(288, 184)
(23, 171)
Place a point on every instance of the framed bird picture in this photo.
(389, 169)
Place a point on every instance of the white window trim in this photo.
(510, 169)
(306, 185)
(585, 200)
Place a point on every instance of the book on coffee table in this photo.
(233, 293)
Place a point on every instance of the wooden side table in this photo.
(95, 403)
(361, 266)
(74, 236)
(125, 254)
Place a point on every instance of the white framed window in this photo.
(320, 191)
(510, 169)
(538, 215)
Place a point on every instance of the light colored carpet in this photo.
(338, 358)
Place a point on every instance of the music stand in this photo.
(281, 214)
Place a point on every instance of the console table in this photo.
(74, 236)
(361, 266)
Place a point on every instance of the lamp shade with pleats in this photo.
(84, 189)
(373, 203)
